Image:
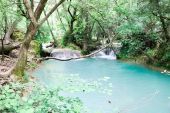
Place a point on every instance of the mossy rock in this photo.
(18, 35)
(35, 47)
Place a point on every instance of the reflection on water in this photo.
(109, 86)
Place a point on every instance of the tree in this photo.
(86, 18)
(35, 23)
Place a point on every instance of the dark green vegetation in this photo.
(15, 98)
(142, 26)
(145, 32)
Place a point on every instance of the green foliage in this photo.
(137, 44)
(91, 19)
(165, 58)
(79, 29)
(134, 18)
(85, 52)
(40, 100)
(67, 38)
(128, 28)
(69, 45)
(43, 35)
(8, 14)
(151, 52)
(72, 46)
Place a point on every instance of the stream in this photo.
(108, 86)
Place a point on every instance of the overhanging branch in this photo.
(51, 11)
(85, 56)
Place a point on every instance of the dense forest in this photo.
(141, 27)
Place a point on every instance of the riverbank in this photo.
(143, 63)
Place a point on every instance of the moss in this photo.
(18, 35)
(35, 46)
(19, 72)
(152, 52)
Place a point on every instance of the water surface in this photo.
(134, 88)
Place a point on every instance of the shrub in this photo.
(40, 100)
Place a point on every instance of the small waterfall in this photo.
(107, 53)
(65, 53)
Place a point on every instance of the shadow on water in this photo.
(109, 86)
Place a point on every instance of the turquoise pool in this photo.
(123, 87)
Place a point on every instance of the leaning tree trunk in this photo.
(10, 30)
(31, 31)
(2, 49)
(22, 59)
(6, 49)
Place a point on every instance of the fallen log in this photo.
(8, 48)
(85, 56)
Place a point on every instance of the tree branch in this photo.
(51, 11)
(51, 31)
(58, 13)
(30, 12)
(98, 23)
(69, 11)
(20, 9)
(32, 5)
(39, 9)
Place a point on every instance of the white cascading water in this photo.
(107, 54)
(65, 53)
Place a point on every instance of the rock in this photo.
(109, 102)
(47, 48)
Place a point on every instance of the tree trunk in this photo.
(34, 25)
(86, 33)
(10, 30)
(2, 49)
(6, 49)
(51, 31)
(85, 44)
(22, 59)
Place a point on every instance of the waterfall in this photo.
(107, 53)
(65, 53)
